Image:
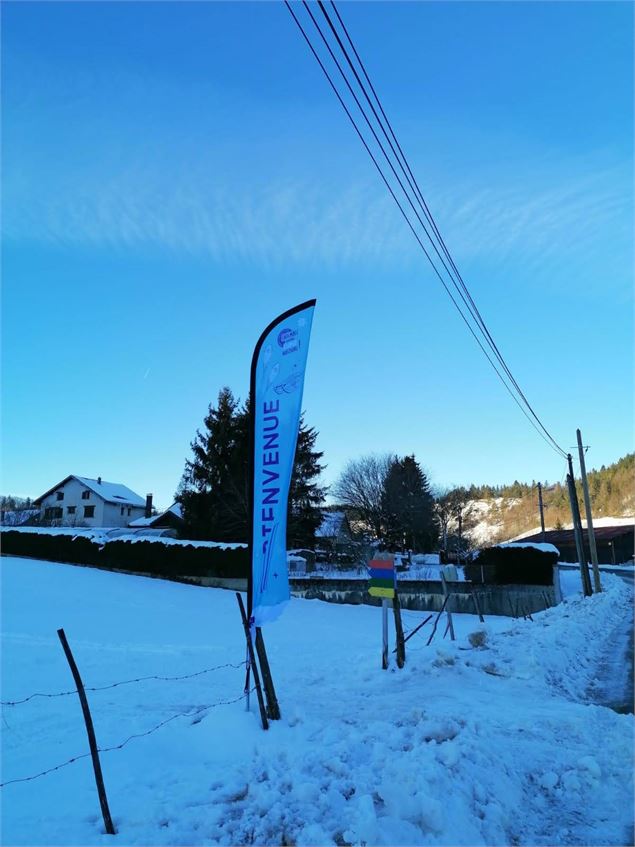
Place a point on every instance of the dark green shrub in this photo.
(170, 561)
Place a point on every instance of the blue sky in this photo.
(176, 174)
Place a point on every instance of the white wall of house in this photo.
(87, 510)
(113, 515)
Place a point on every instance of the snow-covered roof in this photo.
(19, 516)
(111, 492)
(175, 509)
(331, 525)
(537, 545)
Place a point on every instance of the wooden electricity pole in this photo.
(589, 518)
(577, 530)
(542, 512)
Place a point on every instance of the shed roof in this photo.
(174, 509)
(566, 536)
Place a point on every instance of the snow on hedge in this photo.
(102, 535)
(487, 740)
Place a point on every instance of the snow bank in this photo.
(486, 740)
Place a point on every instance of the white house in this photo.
(79, 501)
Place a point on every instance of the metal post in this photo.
(589, 517)
(384, 633)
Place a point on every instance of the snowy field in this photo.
(496, 744)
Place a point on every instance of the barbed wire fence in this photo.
(198, 712)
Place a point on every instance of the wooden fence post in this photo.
(252, 660)
(449, 613)
(401, 644)
(273, 709)
(478, 608)
(92, 741)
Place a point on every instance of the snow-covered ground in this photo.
(490, 744)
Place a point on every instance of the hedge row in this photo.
(512, 566)
(151, 557)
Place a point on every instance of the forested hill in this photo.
(502, 512)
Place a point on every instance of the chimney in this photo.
(98, 480)
(148, 505)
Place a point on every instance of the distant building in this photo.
(615, 544)
(79, 501)
(333, 538)
(171, 518)
(18, 517)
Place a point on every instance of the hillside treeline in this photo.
(514, 508)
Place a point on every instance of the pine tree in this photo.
(408, 506)
(306, 496)
(214, 489)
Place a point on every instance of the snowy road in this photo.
(494, 744)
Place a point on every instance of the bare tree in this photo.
(361, 486)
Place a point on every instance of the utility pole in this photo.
(542, 512)
(577, 530)
(460, 557)
(589, 518)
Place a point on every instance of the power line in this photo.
(418, 195)
(460, 286)
(410, 225)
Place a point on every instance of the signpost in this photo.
(382, 584)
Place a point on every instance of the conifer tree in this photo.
(408, 507)
(214, 489)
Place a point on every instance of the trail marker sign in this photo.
(382, 578)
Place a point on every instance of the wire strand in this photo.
(124, 682)
(189, 713)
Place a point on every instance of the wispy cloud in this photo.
(101, 178)
(281, 221)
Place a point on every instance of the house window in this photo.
(89, 511)
(85, 495)
(129, 511)
(53, 513)
(122, 510)
(60, 495)
(71, 510)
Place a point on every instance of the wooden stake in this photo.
(252, 661)
(434, 628)
(415, 630)
(478, 608)
(449, 613)
(273, 709)
(92, 741)
(401, 642)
